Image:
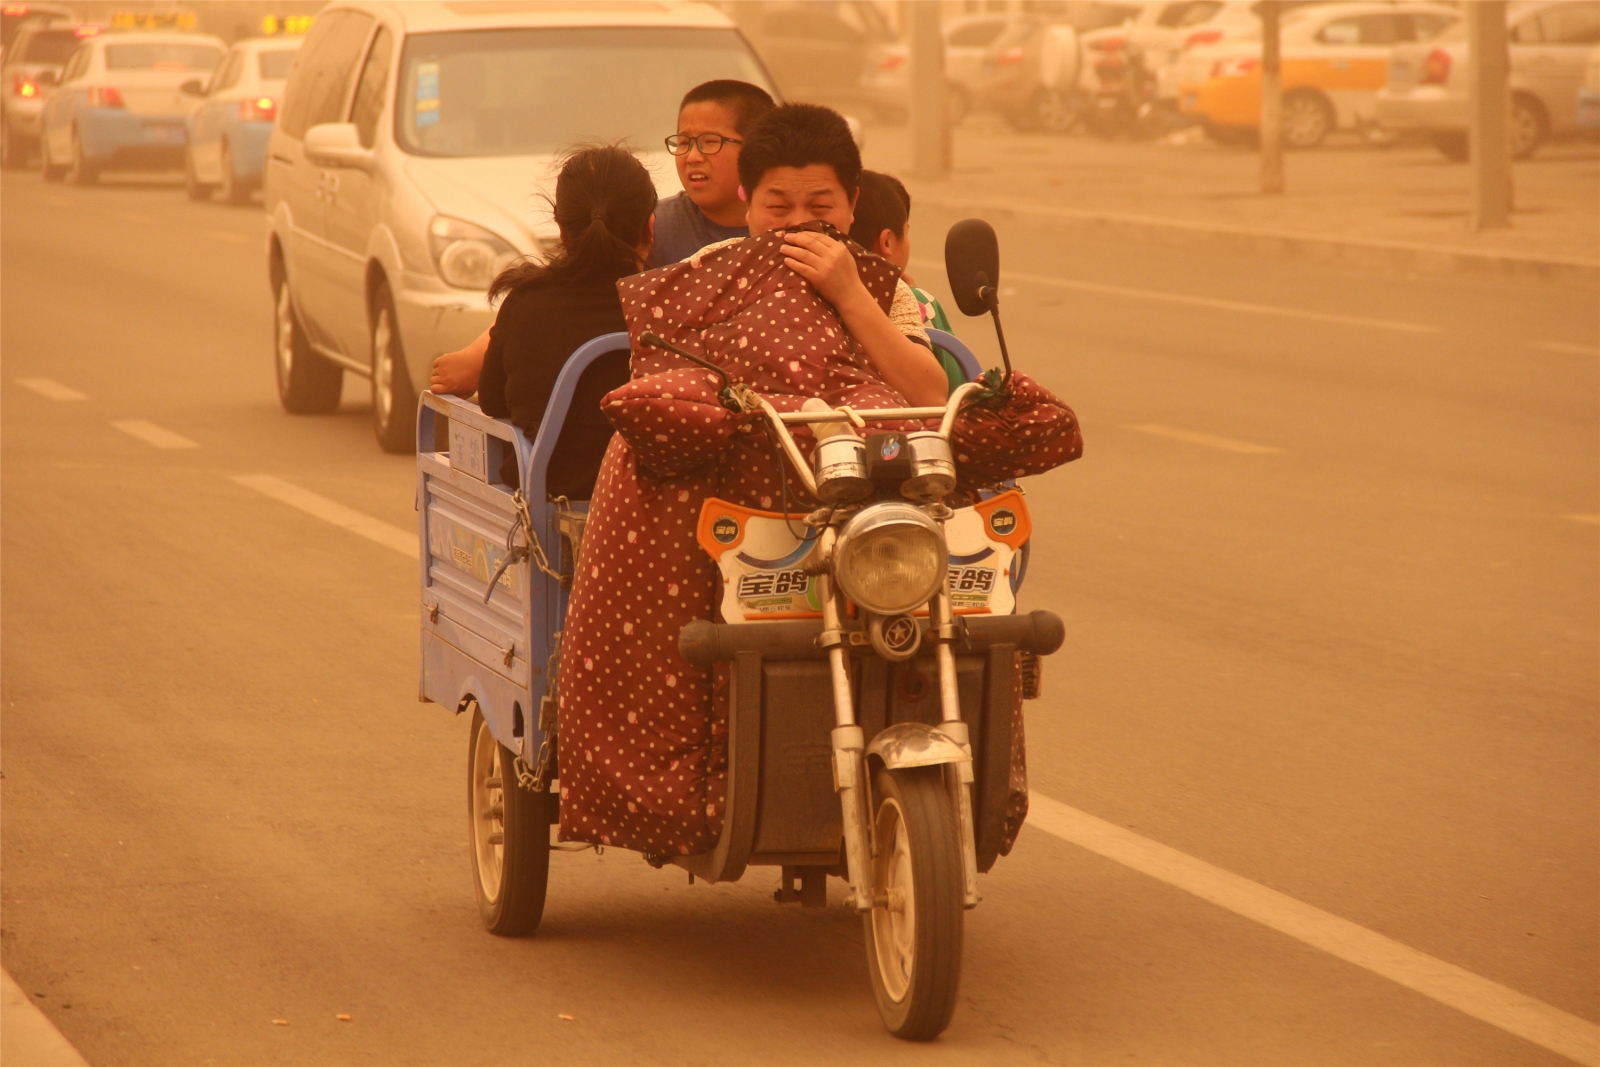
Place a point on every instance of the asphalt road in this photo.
(1332, 628)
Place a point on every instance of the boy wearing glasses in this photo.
(712, 120)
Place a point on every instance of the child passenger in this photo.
(605, 208)
(883, 225)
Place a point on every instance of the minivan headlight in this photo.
(890, 558)
(468, 256)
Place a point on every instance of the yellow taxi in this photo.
(1335, 59)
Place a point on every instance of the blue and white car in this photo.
(119, 105)
(229, 131)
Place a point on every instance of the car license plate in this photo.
(167, 134)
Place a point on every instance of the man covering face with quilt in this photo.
(793, 312)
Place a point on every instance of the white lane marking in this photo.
(1211, 302)
(1226, 444)
(49, 387)
(1593, 520)
(1570, 349)
(227, 235)
(1484, 1000)
(151, 434)
(402, 541)
(28, 1035)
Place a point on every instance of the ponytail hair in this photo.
(603, 204)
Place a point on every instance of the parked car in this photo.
(1550, 45)
(119, 105)
(1589, 95)
(411, 149)
(822, 51)
(966, 41)
(229, 130)
(1158, 32)
(1334, 61)
(32, 67)
(14, 16)
(1232, 20)
(1030, 74)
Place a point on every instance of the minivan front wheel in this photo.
(394, 401)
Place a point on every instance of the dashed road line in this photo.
(1593, 520)
(1226, 444)
(1567, 348)
(28, 1035)
(228, 235)
(1482, 999)
(51, 389)
(1209, 302)
(402, 541)
(153, 435)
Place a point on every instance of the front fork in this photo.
(849, 743)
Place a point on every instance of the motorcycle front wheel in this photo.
(914, 930)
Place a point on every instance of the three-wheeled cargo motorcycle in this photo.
(877, 661)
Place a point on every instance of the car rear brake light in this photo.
(261, 109)
(1109, 44)
(1232, 68)
(14, 9)
(105, 96)
(1202, 37)
(24, 86)
(1436, 69)
(1010, 57)
(892, 61)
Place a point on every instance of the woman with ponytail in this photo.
(605, 208)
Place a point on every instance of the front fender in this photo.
(915, 744)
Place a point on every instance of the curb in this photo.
(1405, 255)
(27, 1038)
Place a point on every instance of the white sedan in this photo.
(1550, 43)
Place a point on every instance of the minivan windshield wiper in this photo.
(538, 91)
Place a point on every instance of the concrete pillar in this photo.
(1489, 115)
(930, 134)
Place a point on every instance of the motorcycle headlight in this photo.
(468, 256)
(890, 558)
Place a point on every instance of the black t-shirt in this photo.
(538, 328)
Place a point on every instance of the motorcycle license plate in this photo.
(758, 559)
(167, 134)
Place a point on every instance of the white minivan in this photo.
(410, 155)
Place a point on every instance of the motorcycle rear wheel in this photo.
(914, 930)
(509, 831)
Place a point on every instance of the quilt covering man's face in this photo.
(789, 196)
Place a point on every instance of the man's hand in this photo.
(828, 266)
(456, 373)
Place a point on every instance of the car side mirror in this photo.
(972, 264)
(193, 87)
(337, 144)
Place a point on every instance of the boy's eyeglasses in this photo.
(708, 143)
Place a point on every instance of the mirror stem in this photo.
(992, 298)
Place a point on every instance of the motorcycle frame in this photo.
(949, 745)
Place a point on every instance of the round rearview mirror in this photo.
(972, 263)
